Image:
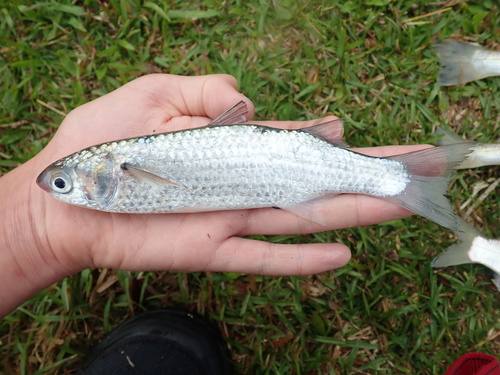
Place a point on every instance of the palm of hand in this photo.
(189, 242)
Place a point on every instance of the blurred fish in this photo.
(474, 248)
(482, 154)
(464, 62)
(229, 166)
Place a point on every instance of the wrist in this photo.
(28, 263)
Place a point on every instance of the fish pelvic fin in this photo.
(430, 171)
(312, 210)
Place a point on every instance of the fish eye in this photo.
(60, 183)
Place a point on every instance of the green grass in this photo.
(369, 62)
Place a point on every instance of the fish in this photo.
(482, 154)
(474, 248)
(230, 165)
(465, 62)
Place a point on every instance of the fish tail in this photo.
(447, 136)
(457, 62)
(496, 280)
(430, 171)
(455, 254)
(458, 253)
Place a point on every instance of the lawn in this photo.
(369, 62)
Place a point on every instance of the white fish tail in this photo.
(474, 248)
(430, 170)
(454, 255)
(458, 253)
(482, 154)
(496, 280)
(447, 136)
(464, 62)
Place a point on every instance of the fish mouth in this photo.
(41, 181)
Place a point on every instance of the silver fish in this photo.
(464, 62)
(227, 166)
(474, 248)
(483, 154)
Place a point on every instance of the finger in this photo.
(388, 151)
(181, 102)
(335, 132)
(207, 96)
(145, 106)
(343, 211)
(299, 124)
(157, 98)
(199, 250)
(264, 258)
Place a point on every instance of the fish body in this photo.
(482, 154)
(242, 166)
(464, 62)
(474, 248)
(229, 166)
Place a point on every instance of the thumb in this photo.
(219, 93)
(204, 96)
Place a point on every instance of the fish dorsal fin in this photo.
(331, 131)
(148, 177)
(234, 115)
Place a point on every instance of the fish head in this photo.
(61, 182)
(92, 183)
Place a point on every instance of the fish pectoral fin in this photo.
(234, 115)
(331, 131)
(148, 177)
(312, 210)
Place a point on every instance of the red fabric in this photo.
(475, 364)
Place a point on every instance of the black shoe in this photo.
(161, 342)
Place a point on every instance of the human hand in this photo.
(69, 239)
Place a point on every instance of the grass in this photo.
(369, 62)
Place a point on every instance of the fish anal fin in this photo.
(312, 210)
(234, 115)
(148, 177)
